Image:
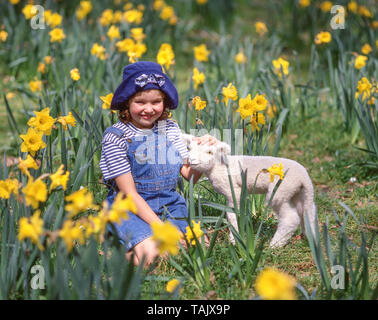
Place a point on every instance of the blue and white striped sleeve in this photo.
(175, 131)
(114, 160)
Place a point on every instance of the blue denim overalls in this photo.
(155, 167)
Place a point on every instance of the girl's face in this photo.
(146, 107)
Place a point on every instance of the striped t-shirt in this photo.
(114, 161)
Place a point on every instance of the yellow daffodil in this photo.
(136, 52)
(75, 74)
(281, 63)
(259, 102)
(7, 187)
(125, 45)
(167, 12)
(106, 17)
(229, 92)
(201, 53)
(172, 285)
(81, 200)
(120, 207)
(240, 58)
(360, 61)
(57, 35)
(31, 228)
(198, 103)
(35, 192)
(261, 28)
(85, 7)
(41, 67)
(29, 11)
(198, 78)
(106, 100)
(366, 90)
(67, 120)
(165, 56)
(326, 6)
(137, 34)
(195, 231)
(256, 119)
(323, 37)
(158, 5)
(365, 12)
(42, 121)
(70, 232)
(53, 20)
(48, 59)
(59, 179)
(246, 107)
(32, 141)
(35, 85)
(3, 36)
(14, 1)
(353, 6)
(271, 111)
(166, 236)
(304, 3)
(276, 170)
(133, 16)
(98, 51)
(113, 33)
(272, 284)
(28, 163)
(366, 49)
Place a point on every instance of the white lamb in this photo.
(293, 198)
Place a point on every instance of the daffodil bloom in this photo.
(3, 35)
(53, 19)
(240, 58)
(229, 92)
(201, 53)
(14, 1)
(32, 141)
(98, 51)
(70, 232)
(113, 33)
(167, 12)
(136, 52)
(259, 102)
(83, 10)
(133, 16)
(117, 16)
(28, 163)
(198, 78)
(363, 11)
(158, 5)
(323, 37)
(7, 187)
(366, 49)
(57, 35)
(246, 107)
(276, 170)
(35, 85)
(35, 192)
(365, 89)
(48, 59)
(31, 228)
(41, 67)
(106, 100)
(75, 74)
(198, 103)
(42, 121)
(81, 200)
(195, 231)
(106, 17)
(360, 61)
(272, 284)
(125, 45)
(67, 120)
(172, 285)
(304, 3)
(29, 11)
(167, 237)
(95, 224)
(353, 6)
(281, 63)
(137, 34)
(261, 28)
(271, 111)
(256, 119)
(59, 179)
(120, 207)
(326, 6)
(166, 56)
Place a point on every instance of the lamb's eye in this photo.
(209, 152)
(188, 148)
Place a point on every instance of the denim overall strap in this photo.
(118, 132)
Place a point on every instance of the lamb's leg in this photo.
(288, 222)
(231, 218)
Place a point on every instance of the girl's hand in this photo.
(206, 139)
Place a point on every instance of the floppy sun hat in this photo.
(140, 76)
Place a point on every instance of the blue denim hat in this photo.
(140, 76)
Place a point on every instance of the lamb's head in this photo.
(203, 157)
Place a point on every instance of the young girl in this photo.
(143, 154)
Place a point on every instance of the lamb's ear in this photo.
(223, 150)
(187, 138)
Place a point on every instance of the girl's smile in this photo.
(146, 107)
